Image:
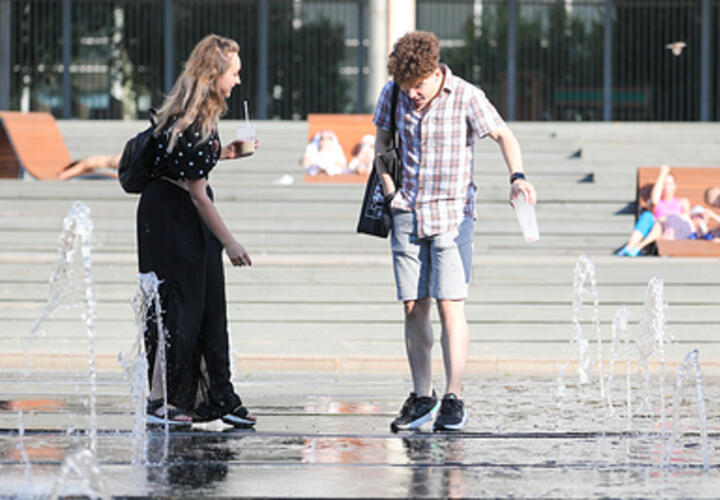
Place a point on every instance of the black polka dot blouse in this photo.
(190, 158)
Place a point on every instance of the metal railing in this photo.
(585, 59)
(536, 59)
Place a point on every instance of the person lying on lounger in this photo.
(100, 165)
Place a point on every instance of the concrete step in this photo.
(501, 220)
(91, 192)
(312, 294)
(359, 269)
(381, 311)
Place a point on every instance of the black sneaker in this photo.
(415, 412)
(452, 416)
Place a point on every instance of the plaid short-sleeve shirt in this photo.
(437, 151)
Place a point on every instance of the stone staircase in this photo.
(321, 297)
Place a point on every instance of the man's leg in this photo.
(452, 267)
(455, 340)
(411, 263)
(418, 343)
(422, 404)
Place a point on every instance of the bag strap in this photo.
(393, 105)
(152, 116)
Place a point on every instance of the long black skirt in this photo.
(175, 243)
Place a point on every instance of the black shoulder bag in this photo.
(135, 161)
(375, 217)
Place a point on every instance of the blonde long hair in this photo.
(195, 95)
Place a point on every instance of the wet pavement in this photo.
(327, 435)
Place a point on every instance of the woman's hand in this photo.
(238, 255)
(234, 150)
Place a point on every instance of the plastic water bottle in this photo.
(525, 214)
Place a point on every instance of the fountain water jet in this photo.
(23, 450)
(651, 339)
(619, 325)
(691, 359)
(584, 273)
(147, 306)
(628, 387)
(72, 285)
(135, 364)
(84, 464)
(68, 289)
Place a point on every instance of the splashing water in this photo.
(23, 450)
(72, 285)
(84, 464)
(146, 303)
(622, 324)
(67, 289)
(619, 324)
(161, 354)
(233, 355)
(651, 339)
(692, 359)
(584, 269)
(135, 364)
(584, 273)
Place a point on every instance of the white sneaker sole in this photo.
(454, 427)
(418, 422)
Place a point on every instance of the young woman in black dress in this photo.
(181, 236)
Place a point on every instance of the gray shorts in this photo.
(437, 266)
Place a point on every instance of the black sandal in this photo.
(175, 422)
(240, 418)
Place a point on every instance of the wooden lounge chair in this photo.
(31, 142)
(349, 130)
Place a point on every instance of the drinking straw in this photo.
(247, 114)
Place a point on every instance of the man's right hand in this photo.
(524, 187)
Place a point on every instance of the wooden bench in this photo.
(688, 248)
(349, 130)
(691, 184)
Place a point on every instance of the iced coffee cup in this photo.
(246, 134)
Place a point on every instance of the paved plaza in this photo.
(327, 435)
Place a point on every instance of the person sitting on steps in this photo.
(662, 203)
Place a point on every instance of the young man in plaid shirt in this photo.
(438, 117)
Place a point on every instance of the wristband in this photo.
(516, 176)
(389, 198)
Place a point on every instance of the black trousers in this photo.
(175, 243)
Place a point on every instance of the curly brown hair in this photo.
(414, 57)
